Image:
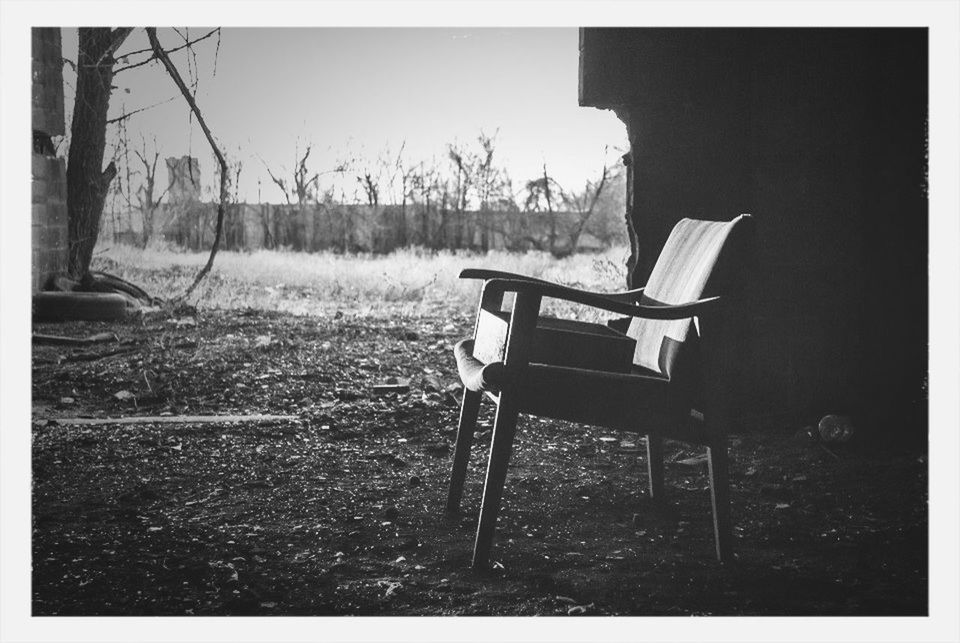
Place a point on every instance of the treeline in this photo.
(381, 229)
(466, 201)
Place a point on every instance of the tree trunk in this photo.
(87, 181)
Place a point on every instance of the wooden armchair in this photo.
(675, 386)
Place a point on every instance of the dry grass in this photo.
(411, 281)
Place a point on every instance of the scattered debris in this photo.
(392, 385)
(276, 497)
(695, 461)
(92, 356)
(392, 587)
(829, 452)
(577, 610)
(176, 419)
(59, 340)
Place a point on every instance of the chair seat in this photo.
(638, 401)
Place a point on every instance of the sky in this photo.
(361, 93)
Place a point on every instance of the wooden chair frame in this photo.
(707, 428)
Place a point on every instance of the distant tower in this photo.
(184, 176)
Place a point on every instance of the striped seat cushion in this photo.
(680, 275)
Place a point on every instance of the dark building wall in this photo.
(48, 202)
(821, 135)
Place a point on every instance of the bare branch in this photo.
(280, 182)
(169, 51)
(117, 36)
(137, 111)
(224, 179)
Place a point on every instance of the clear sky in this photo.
(355, 92)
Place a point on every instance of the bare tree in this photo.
(491, 184)
(464, 179)
(303, 193)
(583, 204)
(398, 173)
(424, 190)
(298, 194)
(87, 180)
(541, 194)
(147, 203)
(371, 188)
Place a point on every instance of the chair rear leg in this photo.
(655, 466)
(469, 411)
(504, 428)
(720, 497)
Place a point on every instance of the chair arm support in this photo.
(627, 296)
(595, 300)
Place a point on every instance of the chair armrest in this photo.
(627, 296)
(596, 300)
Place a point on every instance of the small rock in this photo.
(835, 428)
(695, 461)
(123, 395)
(393, 385)
(577, 610)
(392, 589)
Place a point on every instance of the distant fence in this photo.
(363, 228)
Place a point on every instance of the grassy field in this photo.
(411, 281)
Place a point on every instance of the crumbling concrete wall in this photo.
(49, 188)
(821, 135)
(184, 179)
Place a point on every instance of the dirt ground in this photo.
(339, 511)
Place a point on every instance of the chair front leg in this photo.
(491, 299)
(469, 411)
(523, 324)
(720, 498)
(655, 466)
(504, 428)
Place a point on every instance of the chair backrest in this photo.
(685, 271)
